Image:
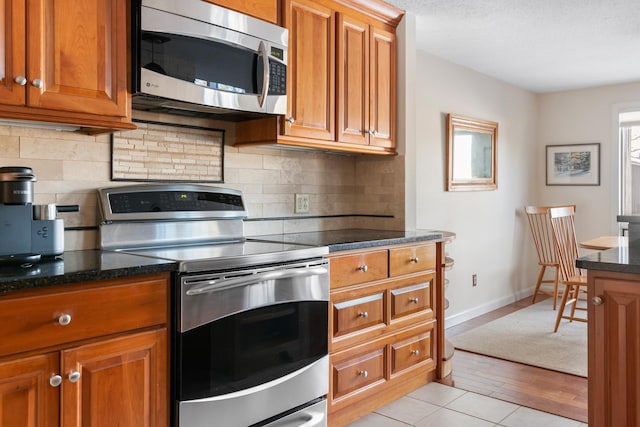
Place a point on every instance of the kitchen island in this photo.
(614, 336)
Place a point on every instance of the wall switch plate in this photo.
(302, 203)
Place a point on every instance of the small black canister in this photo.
(16, 185)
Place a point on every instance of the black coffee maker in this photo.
(27, 232)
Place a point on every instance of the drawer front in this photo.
(412, 259)
(358, 268)
(358, 372)
(412, 299)
(56, 318)
(412, 351)
(357, 314)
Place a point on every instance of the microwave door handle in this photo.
(262, 51)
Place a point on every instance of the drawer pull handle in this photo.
(363, 314)
(363, 374)
(415, 352)
(414, 259)
(597, 300)
(363, 268)
(55, 380)
(64, 319)
(414, 300)
(74, 376)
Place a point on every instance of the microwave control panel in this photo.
(277, 78)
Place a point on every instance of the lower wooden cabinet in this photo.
(87, 373)
(370, 375)
(383, 326)
(614, 349)
(26, 398)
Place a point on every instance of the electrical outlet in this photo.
(474, 279)
(302, 203)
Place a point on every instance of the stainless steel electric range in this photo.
(249, 341)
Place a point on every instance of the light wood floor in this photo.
(542, 389)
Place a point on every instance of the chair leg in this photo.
(565, 295)
(555, 287)
(576, 293)
(538, 283)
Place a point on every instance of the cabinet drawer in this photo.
(353, 315)
(412, 259)
(358, 268)
(38, 321)
(411, 299)
(412, 351)
(358, 372)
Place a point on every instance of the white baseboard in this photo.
(458, 318)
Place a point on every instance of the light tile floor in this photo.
(438, 405)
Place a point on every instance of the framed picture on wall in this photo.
(573, 164)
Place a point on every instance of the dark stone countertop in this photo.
(90, 265)
(349, 239)
(622, 259)
(78, 266)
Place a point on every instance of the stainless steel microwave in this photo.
(191, 57)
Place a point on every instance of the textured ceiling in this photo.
(539, 45)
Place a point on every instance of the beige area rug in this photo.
(526, 336)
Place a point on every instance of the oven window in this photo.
(250, 348)
(206, 63)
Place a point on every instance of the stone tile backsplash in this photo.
(70, 167)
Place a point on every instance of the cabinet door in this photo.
(123, 382)
(311, 72)
(26, 397)
(77, 49)
(12, 51)
(383, 88)
(353, 80)
(614, 352)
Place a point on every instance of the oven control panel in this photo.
(174, 201)
(177, 202)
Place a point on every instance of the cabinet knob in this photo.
(414, 259)
(414, 300)
(290, 120)
(415, 352)
(21, 80)
(597, 300)
(55, 380)
(74, 376)
(363, 314)
(372, 132)
(363, 374)
(37, 83)
(363, 268)
(64, 319)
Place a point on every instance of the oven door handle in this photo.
(224, 284)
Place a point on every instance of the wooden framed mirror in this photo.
(471, 154)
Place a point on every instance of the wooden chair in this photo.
(542, 233)
(564, 236)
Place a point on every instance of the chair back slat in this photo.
(564, 233)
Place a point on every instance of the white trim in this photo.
(616, 109)
(458, 318)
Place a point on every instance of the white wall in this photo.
(581, 116)
(492, 233)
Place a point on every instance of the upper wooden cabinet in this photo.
(65, 61)
(266, 10)
(310, 75)
(366, 76)
(341, 79)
